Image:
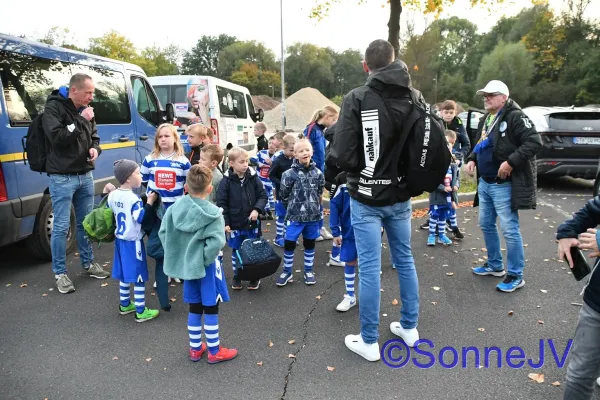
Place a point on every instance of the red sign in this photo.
(165, 179)
(264, 172)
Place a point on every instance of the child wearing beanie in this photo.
(129, 263)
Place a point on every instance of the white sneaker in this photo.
(335, 262)
(346, 304)
(326, 234)
(598, 381)
(369, 352)
(177, 280)
(410, 336)
(154, 285)
(319, 239)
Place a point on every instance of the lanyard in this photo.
(487, 130)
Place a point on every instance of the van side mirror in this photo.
(258, 116)
(170, 112)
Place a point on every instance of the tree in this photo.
(457, 36)
(308, 65)
(420, 55)
(160, 61)
(113, 45)
(542, 41)
(203, 58)
(513, 65)
(256, 80)
(58, 36)
(323, 7)
(347, 71)
(232, 57)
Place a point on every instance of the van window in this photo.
(179, 93)
(250, 104)
(146, 103)
(111, 105)
(162, 92)
(27, 81)
(231, 102)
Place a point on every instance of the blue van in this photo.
(127, 115)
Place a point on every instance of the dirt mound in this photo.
(299, 108)
(265, 102)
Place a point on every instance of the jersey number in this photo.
(121, 223)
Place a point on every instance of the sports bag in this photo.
(99, 225)
(256, 260)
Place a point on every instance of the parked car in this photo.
(571, 140)
(473, 122)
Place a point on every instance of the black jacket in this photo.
(515, 140)
(331, 168)
(373, 166)
(70, 137)
(262, 143)
(238, 200)
(587, 217)
(463, 144)
(194, 155)
(280, 164)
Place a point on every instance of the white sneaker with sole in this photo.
(346, 304)
(319, 239)
(335, 262)
(598, 381)
(410, 336)
(369, 352)
(326, 234)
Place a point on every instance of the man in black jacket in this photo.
(74, 146)
(584, 366)
(504, 154)
(366, 146)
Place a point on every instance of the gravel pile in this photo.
(299, 108)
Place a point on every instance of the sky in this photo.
(348, 26)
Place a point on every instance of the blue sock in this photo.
(211, 332)
(441, 224)
(309, 259)
(234, 261)
(280, 227)
(195, 330)
(452, 219)
(288, 261)
(432, 224)
(139, 293)
(335, 251)
(124, 294)
(350, 274)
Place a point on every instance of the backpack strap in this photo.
(310, 126)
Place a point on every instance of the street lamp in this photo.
(282, 70)
(272, 91)
(436, 84)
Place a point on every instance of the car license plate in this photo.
(586, 140)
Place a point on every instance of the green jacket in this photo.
(192, 234)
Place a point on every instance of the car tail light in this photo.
(215, 126)
(3, 193)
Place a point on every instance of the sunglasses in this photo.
(490, 95)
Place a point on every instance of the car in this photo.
(473, 122)
(127, 115)
(571, 140)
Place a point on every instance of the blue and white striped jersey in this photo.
(129, 212)
(166, 175)
(263, 167)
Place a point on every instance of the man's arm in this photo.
(345, 149)
(95, 137)
(530, 141)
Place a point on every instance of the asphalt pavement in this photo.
(291, 339)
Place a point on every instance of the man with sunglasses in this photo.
(504, 154)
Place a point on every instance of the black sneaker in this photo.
(236, 283)
(457, 233)
(253, 285)
(424, 226)
(270, 216)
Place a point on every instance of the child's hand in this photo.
(455, 189)
(254, 215)
(151, 197)
(448, 189)
(453, 205)
(109, 187)
(268, 161)
(227, 229)
(337, 241)
(587, 241)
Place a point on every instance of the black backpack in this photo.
(36, 145)
(425, 155)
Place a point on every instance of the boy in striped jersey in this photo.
(129, 263)
(164, 170)
(264, 160)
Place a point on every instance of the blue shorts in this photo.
(235, 238)
(348, 252)
(129, 261)
(439, 212)
(280, 209)
(208, 291)
(309, 230)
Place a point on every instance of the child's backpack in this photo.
(256, 260)
(99, 225)
(36, 145)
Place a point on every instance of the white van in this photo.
(221, 105)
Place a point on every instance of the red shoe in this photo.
(196, 355)
(224, 354)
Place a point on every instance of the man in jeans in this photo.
(74, 146)
(504, 154)
(584, 366)
(366, 146)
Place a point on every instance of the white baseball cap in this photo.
(494, 87)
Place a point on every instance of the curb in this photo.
(424, 203)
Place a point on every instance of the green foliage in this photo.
(337, 100)
(203, 58)
(232, 57)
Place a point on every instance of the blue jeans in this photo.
(495, 202)
(367, 222)
(64, 190)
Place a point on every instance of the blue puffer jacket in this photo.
(301, 191)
